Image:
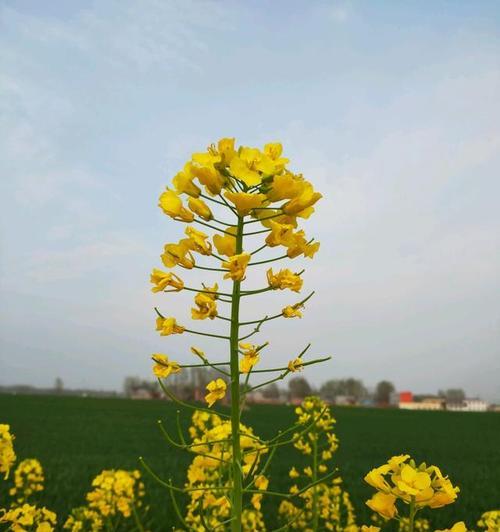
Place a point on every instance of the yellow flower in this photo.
(308, 471)
(293, 473)
(292, 311)
(206, 172)
(198, 352)
(162, 279)
(225, 244)
(197, 241)
(285, 186)
(369, 528)
(216, 390)
(226, 149)
(183, 182)
(178, 254)
(375, 478)
(28, 479)
(7, 454)
(115, 492)
(171, 205)
(412, 481)
(199, 207)
(168, 326)
(295, 365)
(207, 307)
(261, 482)
(457, 527)
(284, 279)
(302, 204)
(245, 202)
(237, 265)
(241, 170)
(250, 357)
(164, 367)
(383, 504)
(28, 517)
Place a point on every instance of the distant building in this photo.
(408, 402)
(468, 405)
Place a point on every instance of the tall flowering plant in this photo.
(236, 195)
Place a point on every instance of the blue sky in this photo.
(392, 109)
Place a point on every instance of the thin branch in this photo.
(213, 227)
(207, 334)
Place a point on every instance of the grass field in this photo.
(75, 438)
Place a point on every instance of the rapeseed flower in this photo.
(164, 367)
(29, 517)
(216, 390)
(28, 480)
(237, 265)
(168, 326)
(199, 207)
(162, 280)
(7, 454)
(284, 279)
(171, 205)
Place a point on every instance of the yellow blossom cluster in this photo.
(83, 519)
(316, 414)
(401, 479)
(209, 474)
(7, 454)
(116, 492)
(325, 504)
(28, 480)
(490, 521)
(334, 506)
(29, 518)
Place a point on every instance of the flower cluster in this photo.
(209, 474)
(29, 517)
(28, 479)
(335, 509)
(116, 494)
(490, 521)
(7, 454)
(418, 486)
(325, 503)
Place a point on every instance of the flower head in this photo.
(284, 279)
(171, 205)
(7, 454)
(162, 280)
(250, 357)
(295, 365)
(168, 326)
(199, 207)
(163, 366)
(216, 390)
(237, 265)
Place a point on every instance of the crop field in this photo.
(75, 438)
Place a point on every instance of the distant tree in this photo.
(454, 395)
(350, 387)
(271, 391)
(383, 392)
(130, 384)
(58, 385)
(299, 387)
(330, 389)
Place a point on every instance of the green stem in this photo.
(314, 480)
(138, 523)
(237, 473)
(413, 511)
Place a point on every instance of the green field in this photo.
(75, 438)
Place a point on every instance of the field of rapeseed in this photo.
(229, 483)
(74, 440)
